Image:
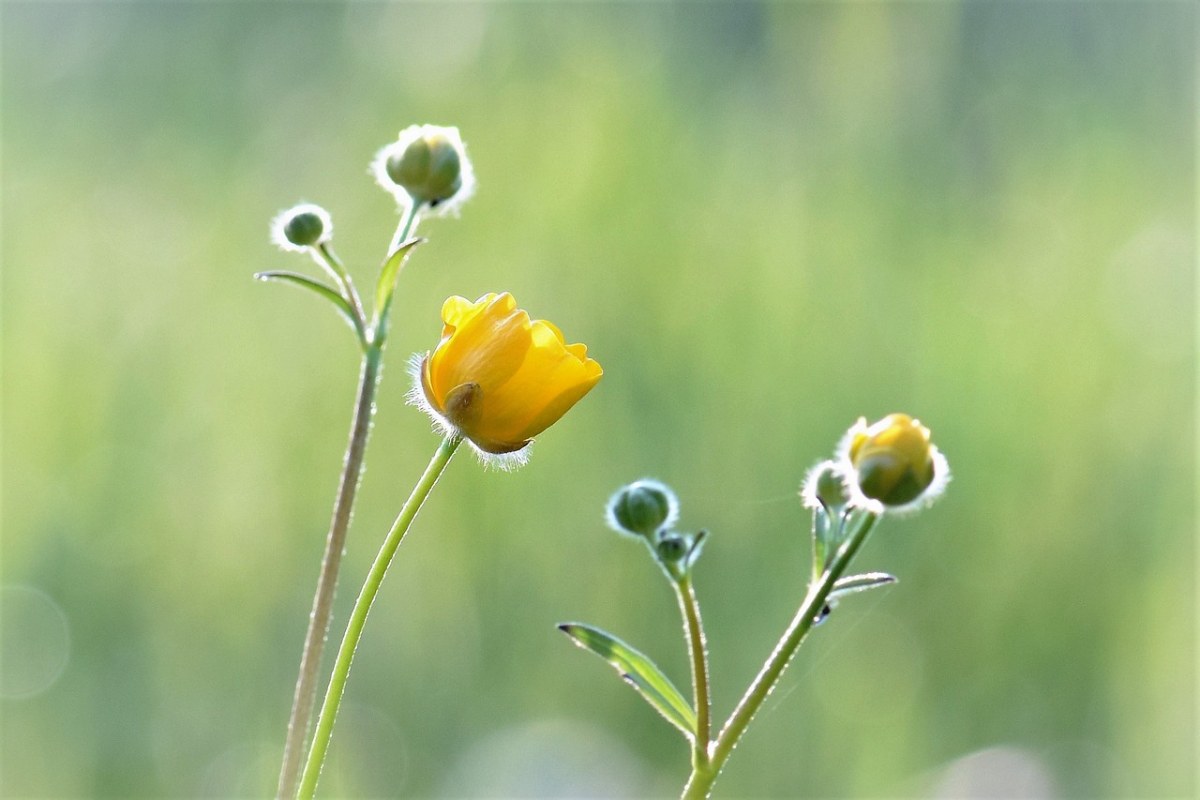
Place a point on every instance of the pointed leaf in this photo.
(693, 553)
(638, 671)
(339, 302)
(388, 273)
(860, 583)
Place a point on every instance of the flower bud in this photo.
(672, 547)
(677, 553)
(642, 508)
(893, 464)
(301, 227)
(428, 164)
(824, 487)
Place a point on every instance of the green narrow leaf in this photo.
(860, 583)
(638, 671)
(388, 274)
(339, 302)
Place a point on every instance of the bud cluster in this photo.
(425, 169)
(889, 466)
(648, 510)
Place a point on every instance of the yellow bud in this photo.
(894, 461)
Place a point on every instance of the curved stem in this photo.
(305, 694)
(362, 606)
(701, 695)
(700, 783)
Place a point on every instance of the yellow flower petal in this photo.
(486, 344)
(456, 310)
(548, 373)
(561, 404)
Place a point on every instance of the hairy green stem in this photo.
(305, 694)
(700, 783)
(701, 694)
(362, 606)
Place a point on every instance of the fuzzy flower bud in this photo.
(672, 547)
(824, 486)
(301, 227)
(427, 164)
(892, 464)
(642, 508)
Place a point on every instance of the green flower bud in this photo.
(642, 508)
(428, 164)
(893, 464)
(825, 487)
(429, 169)
(672, 547)
(677, 553)
(301, 227)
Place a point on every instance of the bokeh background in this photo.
(765, 220)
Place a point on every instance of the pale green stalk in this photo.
(702, 778)
(362, 606)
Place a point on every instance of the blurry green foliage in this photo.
(764, 220)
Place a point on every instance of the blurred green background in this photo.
(765, 221)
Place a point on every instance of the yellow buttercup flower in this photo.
(893, 463)
(499, 378)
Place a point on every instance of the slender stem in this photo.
(362, 606)
(373, 340)
(701, 694)
(700, 783)
(408, 222)
(318, 621)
